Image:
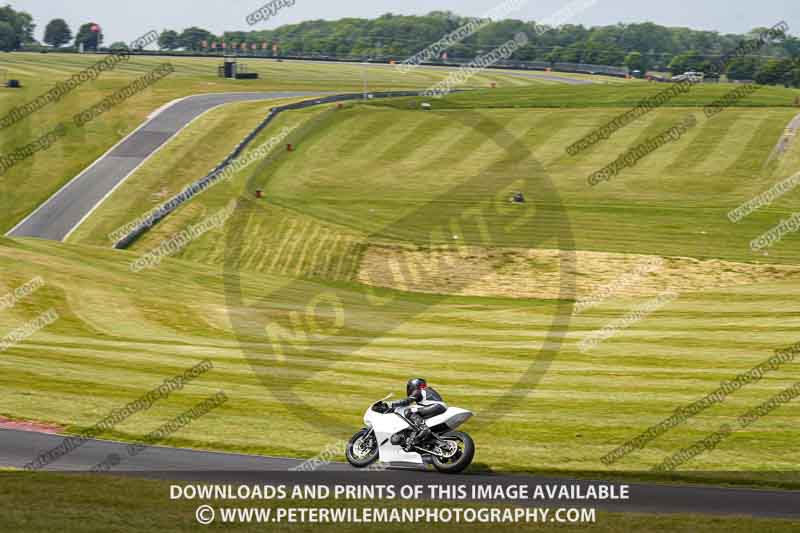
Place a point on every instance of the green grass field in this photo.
(375, 188)
(618, 95)
(30, 183)
(120, 334)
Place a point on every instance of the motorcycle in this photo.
(388, 437)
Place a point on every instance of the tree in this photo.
(574, 53)
(658, 62)
(21, 24)
(685, 62)
(8, 37)
(742, 68)
(636, 61)
(610, 56)
(775, 72)
(57, 33)
(91, 39)
(792, 46)
(168, 40)
(555, 55)
(119, 45)
(192, 38)
(399, 37)
(646, 36)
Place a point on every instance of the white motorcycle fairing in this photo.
(452, 418)
(387, 424)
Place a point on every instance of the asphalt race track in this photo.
(66, 209)
(17, 448)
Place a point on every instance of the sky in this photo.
(127, 20)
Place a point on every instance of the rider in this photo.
(428, 404)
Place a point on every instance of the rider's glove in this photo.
(403, 403)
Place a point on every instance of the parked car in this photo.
(692, 76)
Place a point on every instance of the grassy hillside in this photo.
(416, 202)
(627, 94)
(408, 175)
(121, 333)
(201, 146)
(28, 184)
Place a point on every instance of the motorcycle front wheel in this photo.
(462, 448)
(362, 449)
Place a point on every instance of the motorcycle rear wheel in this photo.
(362, 449)
(462, 458)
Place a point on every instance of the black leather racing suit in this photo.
(430, 404)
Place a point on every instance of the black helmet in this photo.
(414, 384)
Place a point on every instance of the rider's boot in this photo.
(421, 432)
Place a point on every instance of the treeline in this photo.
(16, 32)
(396, 36)
(644, 46)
